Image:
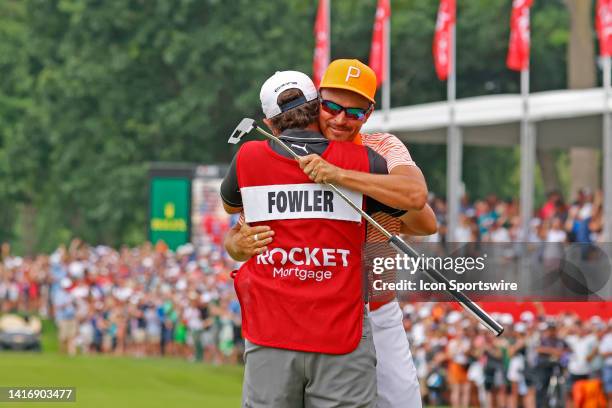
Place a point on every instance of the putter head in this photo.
(244, 127)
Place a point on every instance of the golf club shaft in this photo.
(277, 140)
(402, 247)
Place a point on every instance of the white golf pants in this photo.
(397, 382)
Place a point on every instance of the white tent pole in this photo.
(527, 159)
(453, 146)
(607, 154)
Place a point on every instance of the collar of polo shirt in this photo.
(301, 135)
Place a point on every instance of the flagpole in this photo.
(450, 84)
(453, 173)
(328, 17)
(607, 153)
(386, 91)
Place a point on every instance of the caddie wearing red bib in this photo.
(305, 293)
(302, 300)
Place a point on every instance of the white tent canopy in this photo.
(562, 119)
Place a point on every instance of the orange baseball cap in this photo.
(352, 75)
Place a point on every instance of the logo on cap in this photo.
(353, 72)
(284, 85)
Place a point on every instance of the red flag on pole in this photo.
(321, 52)
(442, 38)
(603, 24)
(518, 49)
(379, 41)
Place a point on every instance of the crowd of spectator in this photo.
(534, 364)
(150, 301)
(496, 220)
(143, 301)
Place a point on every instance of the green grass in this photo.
(48, 339)
(113, 382)
(116, 382)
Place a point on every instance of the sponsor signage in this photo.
(170, 210)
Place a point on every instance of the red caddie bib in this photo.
(305, 292)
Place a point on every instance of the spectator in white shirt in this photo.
(583, 345)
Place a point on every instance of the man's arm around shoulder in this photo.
(402, 189)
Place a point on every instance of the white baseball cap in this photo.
(506, 319)
(453, 317)
(281, 81)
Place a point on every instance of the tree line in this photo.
(91, 92)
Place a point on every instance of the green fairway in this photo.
(113, 382)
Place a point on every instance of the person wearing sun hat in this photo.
(351, 83)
